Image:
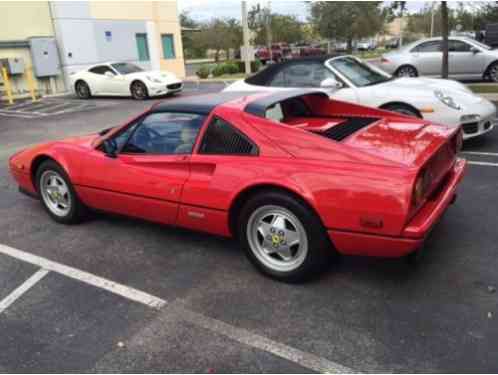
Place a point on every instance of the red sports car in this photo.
(295, 176)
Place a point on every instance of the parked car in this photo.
(351, 79)
(366, 45)
(279, 52)
(341, 47)
(294, 176)
(468, 59)
(310, 50)
(392, 43)
(491, 34)
(123, 79)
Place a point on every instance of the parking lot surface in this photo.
(118, 294)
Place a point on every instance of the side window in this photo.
(279, 80)
(122, 137)
(309, 74)
(165, 133)
(458, 46)
(299, 75)
(101, 69)
(221, 138)
(434, 46)
(320, 73)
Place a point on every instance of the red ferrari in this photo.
(295, 176)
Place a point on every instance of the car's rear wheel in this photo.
(83, 90)
(492, 72)
(406, 71)
(139, 91)
(57, 194)
(403, 109)
(283, 238)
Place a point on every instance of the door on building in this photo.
(142, 47)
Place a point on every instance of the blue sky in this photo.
(202, 10)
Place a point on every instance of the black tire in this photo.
(404, 109)
(320, 250)
(82, 90)
(406, 71)
(77, 210)
(492, 72)
(139, 91)
(415, 257)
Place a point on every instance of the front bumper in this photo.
(415, 232)
(165, 89)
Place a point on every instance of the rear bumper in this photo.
(414, 234)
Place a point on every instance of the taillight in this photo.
(383, 60)
(421, 187)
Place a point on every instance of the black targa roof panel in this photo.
(200, 104)
(259, 106)
(204, 104)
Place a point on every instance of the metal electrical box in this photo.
(14, 65)
(45, 56)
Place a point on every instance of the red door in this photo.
(145, 186)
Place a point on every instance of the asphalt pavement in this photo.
(123, 295)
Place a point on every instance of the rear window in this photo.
(294, 107)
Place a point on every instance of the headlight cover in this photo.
(446, 99)
(155, 80)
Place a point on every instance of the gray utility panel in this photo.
(45, 56)
(14, 65)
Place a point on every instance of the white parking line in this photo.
(23, 288)
(482, 163)
(302, 358)
(480, 153)
(85, 277)
(243, 336)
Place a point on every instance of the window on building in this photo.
(142, 47)
(168, 46)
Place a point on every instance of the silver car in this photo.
(468, 59)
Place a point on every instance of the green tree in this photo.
(191, 49)
(219, 35)
(286, 29)
(347, 20)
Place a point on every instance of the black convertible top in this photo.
(263, 77)
(204, 104)
(200, 104)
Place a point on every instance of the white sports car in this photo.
(349, 79)
(123, 79)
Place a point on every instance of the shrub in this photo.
(203, 71)
(231, 68)
(218, 70)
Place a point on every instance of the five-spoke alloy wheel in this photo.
(57, 194)
(283, 237)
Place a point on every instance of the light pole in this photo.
(245, 35)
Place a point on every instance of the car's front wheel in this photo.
(57, 194)
(403, 109)
(139, 91)
(283, 238)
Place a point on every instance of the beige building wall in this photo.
(163, 14)
(20, 21)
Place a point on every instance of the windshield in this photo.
(360, 74)
(126, 68)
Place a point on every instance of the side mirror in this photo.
(474, 50)
(110, 148)
(330, 83)
(109, 75)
